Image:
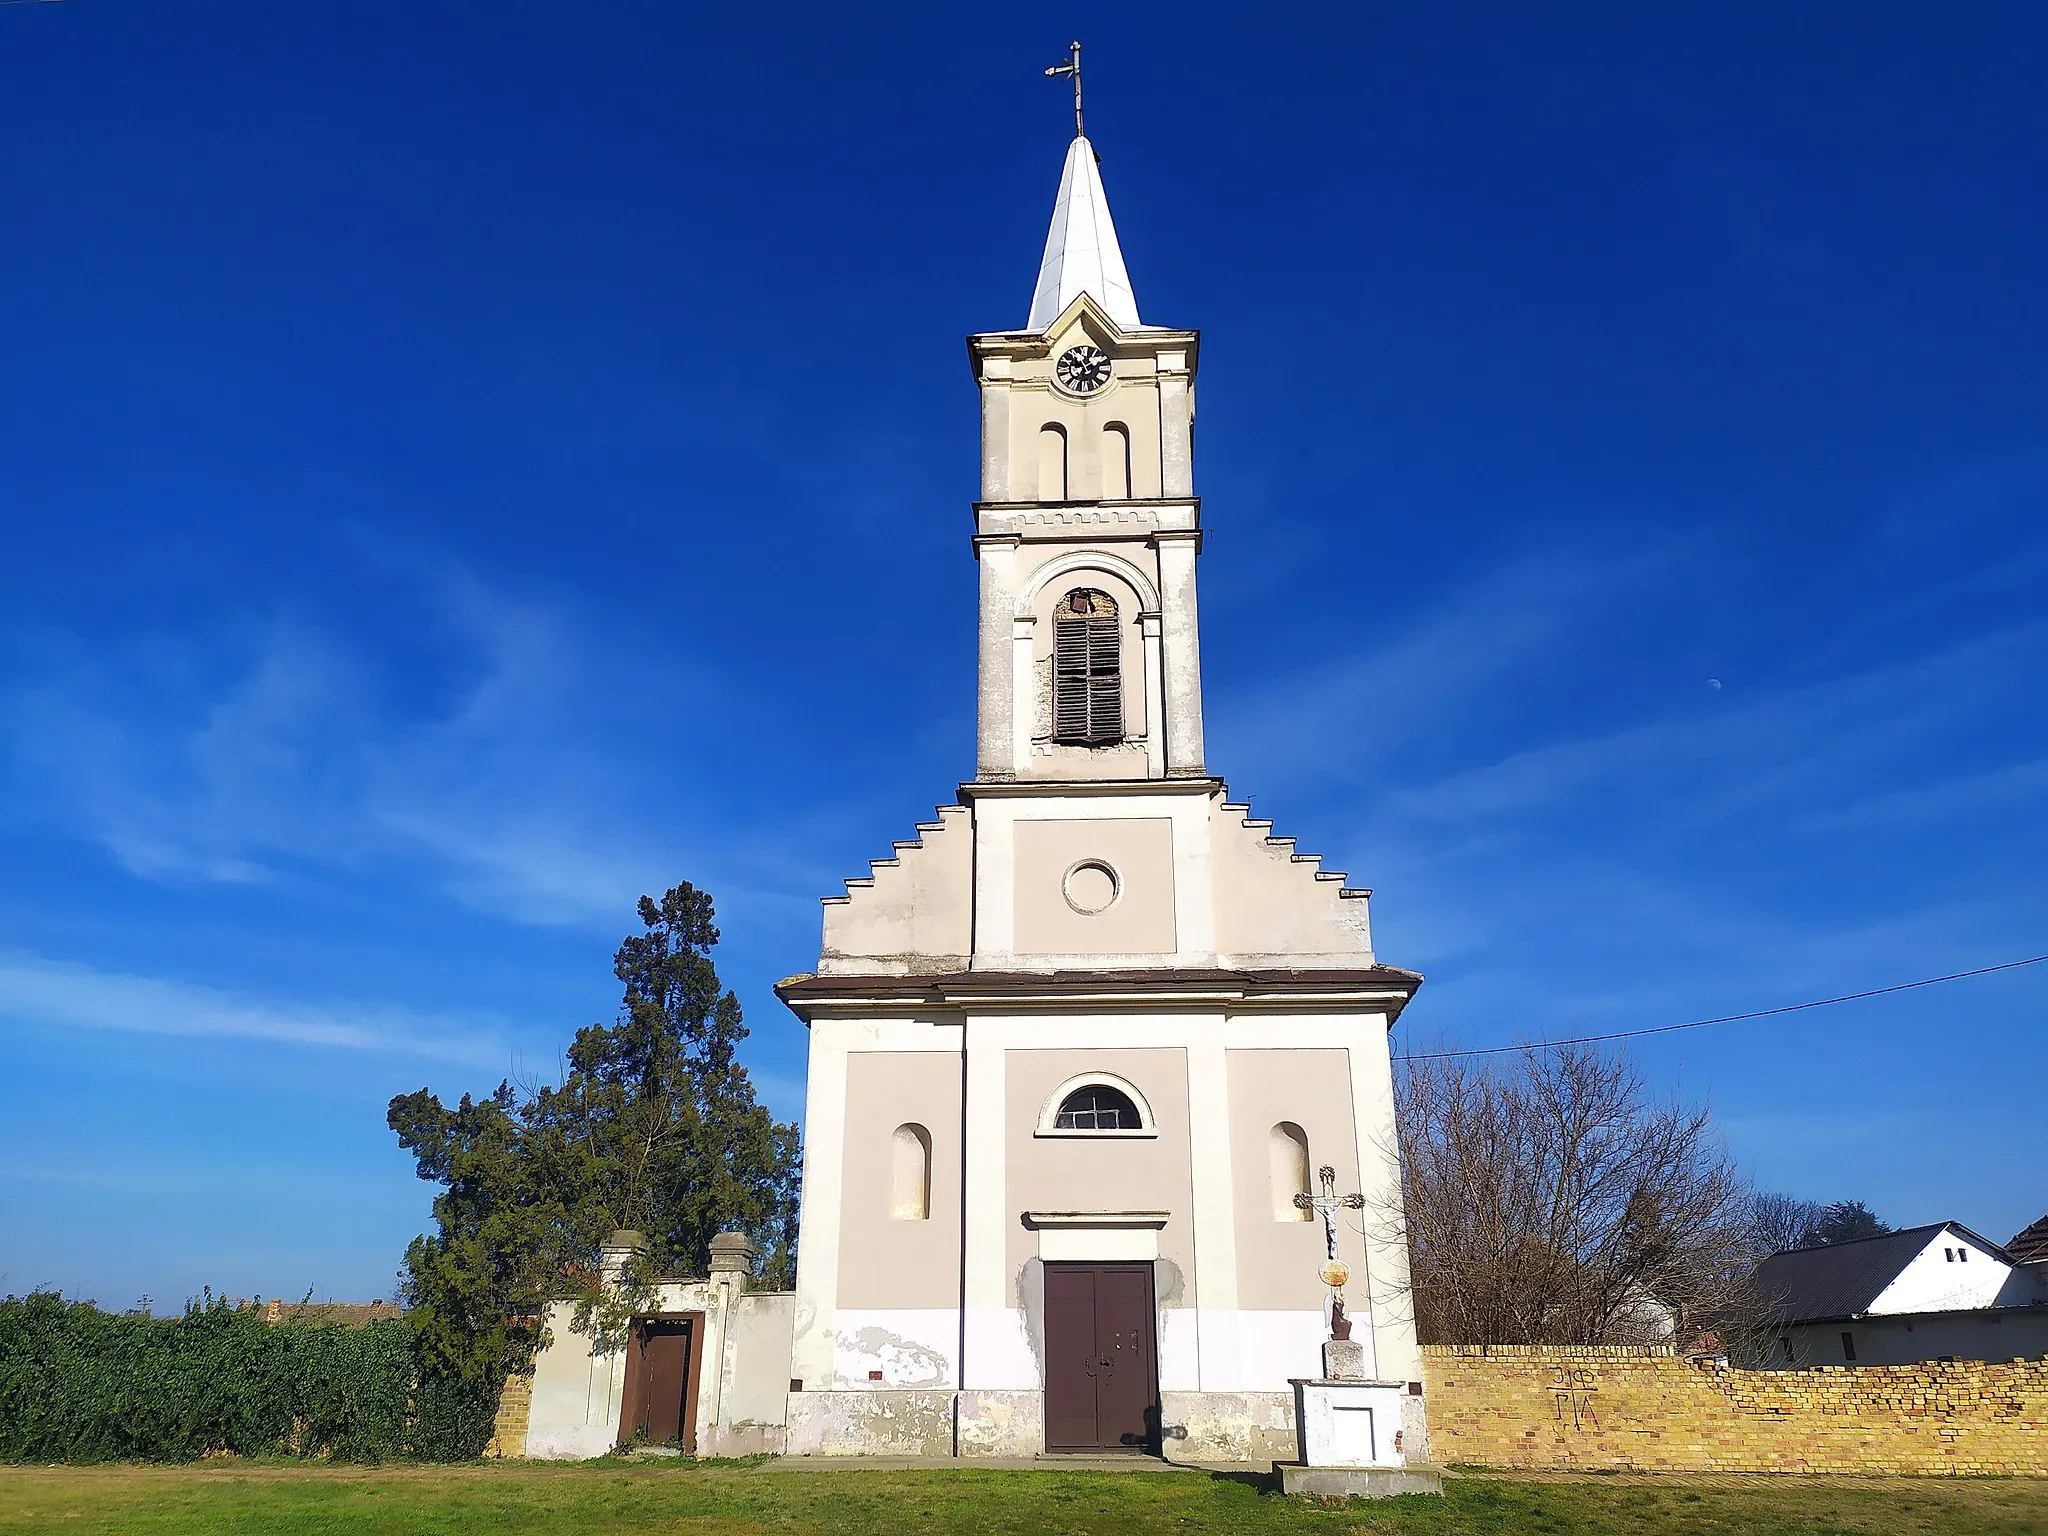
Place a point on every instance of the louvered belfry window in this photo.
(1087, 671)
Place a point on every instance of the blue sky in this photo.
(463, 466)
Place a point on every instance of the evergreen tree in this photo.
(1844, 1222)
(654, 1129)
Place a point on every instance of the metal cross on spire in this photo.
(1071, 65)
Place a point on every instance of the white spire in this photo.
(1081, 253)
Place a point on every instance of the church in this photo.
(1077, 1045)
(1083, 1047)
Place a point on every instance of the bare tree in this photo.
(1551, 1199)
(1779, 1222)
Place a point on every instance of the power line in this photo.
(1726, 1018)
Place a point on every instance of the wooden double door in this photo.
(1101, 1358)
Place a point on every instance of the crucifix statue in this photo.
(1334, 1271)
(1071, 65)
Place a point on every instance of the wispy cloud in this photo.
(1714, 761)
(57, 994)
(1647, 855)
(520, 776)
(1503, 632)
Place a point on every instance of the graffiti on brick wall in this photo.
(1572, 1397)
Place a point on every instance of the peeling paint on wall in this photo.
(1031, 1303)
(904, 1362)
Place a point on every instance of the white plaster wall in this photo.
(999, 1354)
(820, 1200)
(2026, 1286)
(1932, 1283)
(1275, 1348)
(576, 1394)
(1180, 1349)
(756, 1387)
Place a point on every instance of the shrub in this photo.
(81, 1385)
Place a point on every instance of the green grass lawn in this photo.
(680, 1500)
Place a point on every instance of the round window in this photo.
(1091, 886)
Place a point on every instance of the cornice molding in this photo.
(1380, 988)
(1025, 789)
(1040, 1220)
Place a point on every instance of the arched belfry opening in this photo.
(1087, 670)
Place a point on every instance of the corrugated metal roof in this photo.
(1839, 1280)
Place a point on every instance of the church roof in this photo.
(1081, 250)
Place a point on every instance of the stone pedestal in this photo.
(1344, 1360)
(1350, 1434)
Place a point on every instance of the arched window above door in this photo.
(1096, 1104)
(1097, 1107)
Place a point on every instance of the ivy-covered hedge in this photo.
(81, 1385)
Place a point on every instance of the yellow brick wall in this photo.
(515, 1408)
(1644, 1409)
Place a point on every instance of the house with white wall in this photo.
(1927, 1293)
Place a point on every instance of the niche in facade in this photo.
(1052, 462)
(1287, 1150)
(910, 1174)
(1116, 462)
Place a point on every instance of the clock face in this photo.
(1083, 369)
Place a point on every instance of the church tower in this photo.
(1077, 1046)
(1087, 434)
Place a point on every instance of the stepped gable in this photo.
(1277, 907)
(913, 911)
